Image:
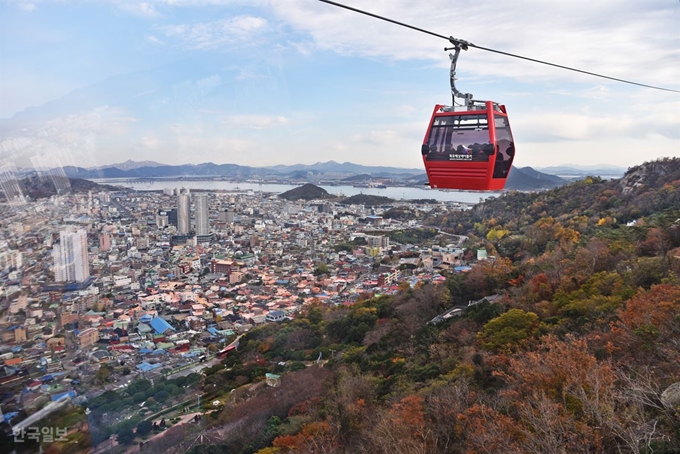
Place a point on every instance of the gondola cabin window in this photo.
(459, 138)
(504, 146)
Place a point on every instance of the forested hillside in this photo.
(579, 353)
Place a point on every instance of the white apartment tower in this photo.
(183, 214)
(202, 214)
(70, 256)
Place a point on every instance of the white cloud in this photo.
(147, 9)
(558, 126)
(617, 151)
(255, 121)
(387, 136)
(28, 6)
(598, 92)
(303, 47)
(151, 142)
(404, 111)
(143, 9)
(230, 31)
(380, 137)
(629, 121)
(153, 39)
(194, 143)
(144, 93)
(74, 137)
(189, 90)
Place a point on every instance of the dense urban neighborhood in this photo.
(115, 288)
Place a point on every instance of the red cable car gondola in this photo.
(470, 148)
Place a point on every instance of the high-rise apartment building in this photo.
(104, 242)
(70, 256)
(183, 214)
(226, 216)
(202, 214)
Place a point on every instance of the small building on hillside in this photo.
(273, 380)
(275, 316)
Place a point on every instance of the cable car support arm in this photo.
(458, 45)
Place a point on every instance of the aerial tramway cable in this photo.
(464, 44)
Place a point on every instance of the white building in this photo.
(183, 215)
(70, 256)
(202, 214)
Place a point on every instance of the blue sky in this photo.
(266, 82)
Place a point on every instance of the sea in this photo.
(393, 192)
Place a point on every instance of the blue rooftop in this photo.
(146, 367)
(8, 416)
(160, 325)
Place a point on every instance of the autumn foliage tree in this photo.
(402, 429)
(648, 327)
(314, 437)
(560, 393)
(509, 330)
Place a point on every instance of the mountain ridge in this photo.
(524, 178)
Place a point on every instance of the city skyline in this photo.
(268, 83)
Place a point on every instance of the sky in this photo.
(268, 82)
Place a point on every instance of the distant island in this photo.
(368, 200)
(306, 192)
(313, 192)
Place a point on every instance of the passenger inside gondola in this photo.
(506, 148)
(459, 138)
(503, 160)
